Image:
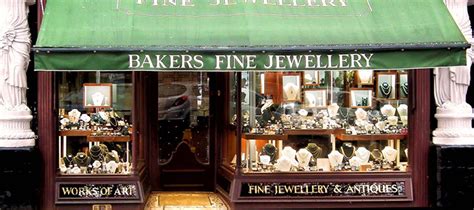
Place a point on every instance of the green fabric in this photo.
(121, 61)
(369, 26)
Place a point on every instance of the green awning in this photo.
(221, 35)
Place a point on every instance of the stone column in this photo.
(15, 44)
(454, 115)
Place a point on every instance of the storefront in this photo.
(269, 103)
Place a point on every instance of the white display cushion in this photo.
(15, 128)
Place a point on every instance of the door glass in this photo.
(183, 114)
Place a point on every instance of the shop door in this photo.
(185, 131)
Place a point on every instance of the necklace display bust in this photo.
(270, 150)
(347, 150)
(68, 160)
(376, 154)
(288, 152)
(389, 153)
(96, 153)
(283, 164)
(81, 159)
(315, 150)
(303, 156)
(385, 89)
(363, 154)
(335, 158)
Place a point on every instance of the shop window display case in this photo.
(334, 129)
(94, 124)
(337, 124)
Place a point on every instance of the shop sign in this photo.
(358, 189)
(250, 61)
(98, 191)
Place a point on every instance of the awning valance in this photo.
(220, 35)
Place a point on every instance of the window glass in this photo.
(95, 115)
(324, 121)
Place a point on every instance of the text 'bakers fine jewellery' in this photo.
(385, 89)
(405, 88)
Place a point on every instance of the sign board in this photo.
(97, 192)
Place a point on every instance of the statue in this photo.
(451, 83)
(454, 115)
(15, 44)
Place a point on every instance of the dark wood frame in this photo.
(370, 97)
(86, 85)
(394, 85)
(417, 171)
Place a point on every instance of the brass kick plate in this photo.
(102, 207)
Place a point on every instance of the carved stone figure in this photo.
(454, 115)
(15, 44)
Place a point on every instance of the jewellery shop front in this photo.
(269, 103)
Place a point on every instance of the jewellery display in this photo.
(333, 110)
(389, 154)
(97, 99)
(335, 159)
(376, 155)
(291, 92)
(388, 110)
(269, 150)
(354, 125)
(405, 88)
(348, 150)
(385, 89)
(355, 162)
(96, 153)
(315, 150)
(363, 154)
(68, 160)
(284, 164)
(303, 156)
(81, 159)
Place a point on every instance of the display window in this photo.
(323, 121)
(95, 123)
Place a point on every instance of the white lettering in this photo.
(198, 60)
(251, 62)
(354, 60)
(174, 61)
(320, 62)
(159, 62)
(133, 61)
(147, 61)
(294, 60)
(367, 59)
(343, 62)
(280, 62)
(219, 61)
(270, 62)
(309, 59)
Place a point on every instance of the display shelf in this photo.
(265, 137)
(296, 132)
(374, 137)
(108, 138)
(75, 133)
